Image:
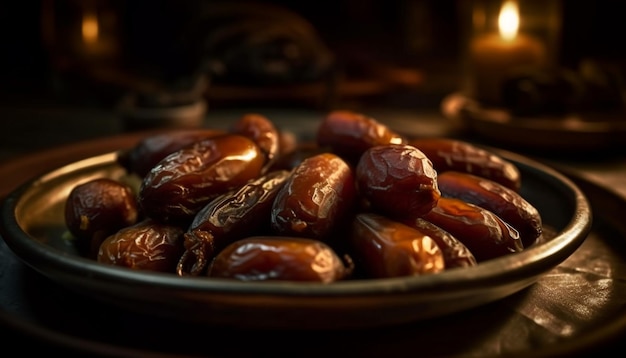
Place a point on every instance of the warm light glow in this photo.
(90, 28)
(508, 21)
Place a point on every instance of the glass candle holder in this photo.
(506, 38)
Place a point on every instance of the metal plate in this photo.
(571, 133)
(33, 226)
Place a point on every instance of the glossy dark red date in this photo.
(96, 209)
(267, 258)
(348, 134)
(263, 132)
(483, 232)
(185, 181)
(452, 154)
(147, 245)
(319, 194)
(387, 248)
(397, 180)
(508, 204)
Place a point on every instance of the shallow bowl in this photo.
(33, 227)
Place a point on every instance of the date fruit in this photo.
(452, 154)
(348, 134)
(483, 232)
(229, 217)
(508, 204)
(97, 208)
(152, 149)
(147, 245)
(264, 258)
(389, 248)
(185, 181)
(263, 132)
(455, 253)
(319, 194)
(397, 180)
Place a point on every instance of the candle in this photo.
(494, 57)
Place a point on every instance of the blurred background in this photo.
(80, 70)
(87, 68)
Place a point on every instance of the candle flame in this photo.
(90, 27)
(508, 21)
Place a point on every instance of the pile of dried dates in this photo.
(251, 203)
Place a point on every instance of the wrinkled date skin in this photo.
(398, 180)
(388, 248)
(185, 181)
(348, 134)
(455, 253)
(483, 232)
(147, 245)
(508, 204)
(152, 149)
(263, 132)
(451, 154)
(98, 208)
(264, 258)
(227, 218)
(319, 194)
